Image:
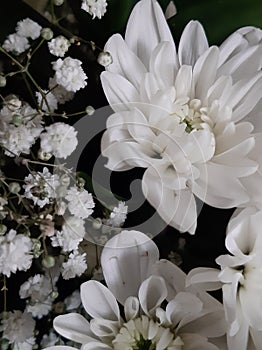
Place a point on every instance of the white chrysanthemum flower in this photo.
(41, 187)
(81, 202)
(74, 266)
(69, 74)
(28, 28)
(59, 46)
(17, 326)
(118, 215)
(26, 345)
(179, 114)
(60, 93)
(128, 261)
(47, 104)
(241, 280)
(96, 8)
(15, 253)
(73, 231)
(15, 43)
(59, 139)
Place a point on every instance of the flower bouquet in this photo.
(130, 181)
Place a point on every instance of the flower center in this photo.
(144, 333)
(192, 114)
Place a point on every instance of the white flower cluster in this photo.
(96, 8)
(18, 327)
(118, 215)
(74, 266)
(80, 202)
(59, 46)
(69, 74)
(20, 126)
(37, 290)
(47, 101)
(41, 187)
(59, 139)
(18, 42)
(15, 253)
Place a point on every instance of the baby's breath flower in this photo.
(59, 46)
(16, 44)
(28, 28)
(104, 58)
(96, 8)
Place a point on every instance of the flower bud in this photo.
(48, 261)
(14, 187)
(47, 33)
(90, 110)
(104, 58)
(3, 229)
(2, 81)
(97, 223)
(13, 103)
(58, 2)
(44, 155)
(17, 119)
(54, 294)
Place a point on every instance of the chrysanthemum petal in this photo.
(75, 327)
(147, 17)
(152, 293)
(119, 91)
(98, 301)
(195, 35)
(127, 260)
(125, 62)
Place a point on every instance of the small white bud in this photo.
(47, 33)
(48, 261)
(44, 155)
(104, 58)
(90, 110)
(14, 187)
(2, 81)
(58, 2)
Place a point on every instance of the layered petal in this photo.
(127, 260)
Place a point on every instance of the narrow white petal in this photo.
(125, 62)
(119, 92)
(205, 278)
(127, 260)
(204, 72)
(163, 64)
(193, 43)
(98, 301)
(152, 293)
(183, 83)
(96, 346)
(74, 327)
(146, 28)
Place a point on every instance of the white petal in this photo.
(104, 329)
(243, 64)
(193, 43)
(95, 346)
(125, 62)
(163, 64)
(151, 294)
(131, 308)
(146, 28)
(74, 327)
(204, 72)
(183, 304)
(127, 260)
(173, 276)
(183, 82)
(205, 278)
(119, 92)
(177, 209)
(60, 347)
(98, 301)
(196, 342)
